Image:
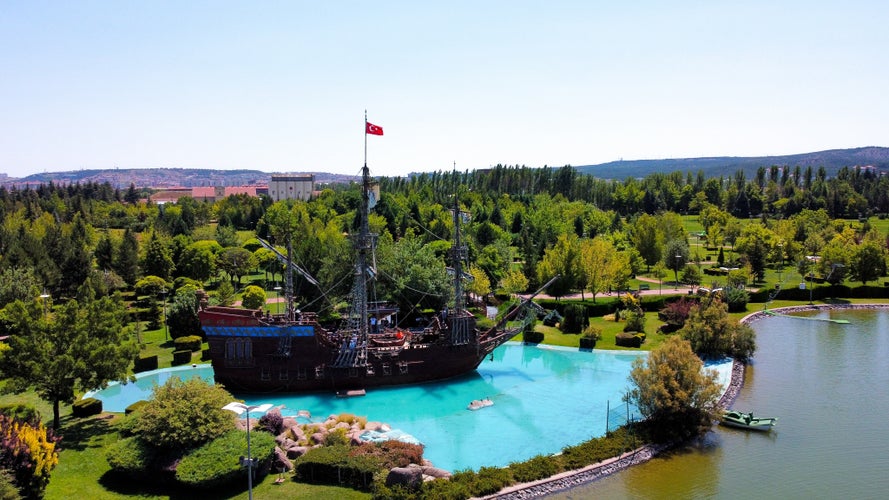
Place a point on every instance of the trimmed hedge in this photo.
(188, 343)
(215, 463)
(625, 339)
(335, 465)
(131, 456)
(532, 337)
(145, 363)
(86, 407)
(134, 407)
(181, 357)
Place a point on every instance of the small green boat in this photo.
(743, 420)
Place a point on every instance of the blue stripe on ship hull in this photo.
(259, 331)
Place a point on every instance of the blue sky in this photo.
(282, 86)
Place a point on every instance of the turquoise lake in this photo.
(545, 398)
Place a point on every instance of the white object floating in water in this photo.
(477, 404)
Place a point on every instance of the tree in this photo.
(711, 332)
(225, 294)
(480, 284)
(104, 253)
(594, 264)
(182, 415)
(126, 260)
(198, 261)
(672, 390)
(158, 259)
(514, 281)
(81, 346)
(647, 239)
(561, 259)
(691, 275)
(676, 253)
(182, 314)
(236, 262)
(253, 298)
(868, 262)
(18, 283)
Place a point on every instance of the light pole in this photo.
(240, 408)
(278, 299)
(811, 286)
(45, 296)
(164, 296)
(676, 269)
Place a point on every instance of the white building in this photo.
(291, 186)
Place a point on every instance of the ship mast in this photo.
(353, 351)
(459, 323)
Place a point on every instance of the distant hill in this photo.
(832, 160)
(165, 177)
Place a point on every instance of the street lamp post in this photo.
(45, 296)
(240, 408)
(166, 330)
(278, 299)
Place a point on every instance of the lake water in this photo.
(545, 398)
(827, 383)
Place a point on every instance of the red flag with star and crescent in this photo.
(372, 129)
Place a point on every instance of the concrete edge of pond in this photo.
(591, 473)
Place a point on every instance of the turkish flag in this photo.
(372, 129)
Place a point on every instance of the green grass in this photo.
(83, 472)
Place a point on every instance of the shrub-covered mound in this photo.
(216, 463)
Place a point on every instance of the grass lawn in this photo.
(83, 472)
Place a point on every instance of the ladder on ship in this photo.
(352, 353)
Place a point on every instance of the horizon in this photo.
(283, 87)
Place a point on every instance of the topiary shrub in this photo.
(625, 339)
(145, 363)
(134, 407)
(334, 465)
(181, 357)
(215, 463)
(532, 337)
(131, 456)
(591, 335)
(188, 343)
(575, 319)
(635, 321)
(86, 407)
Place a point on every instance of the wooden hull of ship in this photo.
(292, 358)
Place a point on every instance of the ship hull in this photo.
(251, 354)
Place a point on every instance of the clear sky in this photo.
(283, 86)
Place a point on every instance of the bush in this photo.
(334, 465)
(533, 337)
(131, 455)
(22, 413)
(575, 318)
(625, 339)
(188, 343)
(134, 407)
(272, 422)
(253, 298)
(736, 298)
(181, 357)
(391, 453)
(86, 407)
(28, 452)
(635, 321)
(539, 467)
(215, 464)
(184, 414)
(145, 363)
(591, 335)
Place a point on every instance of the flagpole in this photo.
(365, 137)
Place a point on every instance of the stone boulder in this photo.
(408, 477)
(281, 463)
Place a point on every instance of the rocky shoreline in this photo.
(594, 472)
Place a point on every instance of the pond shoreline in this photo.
(591, 473)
